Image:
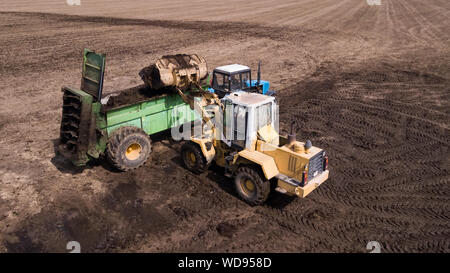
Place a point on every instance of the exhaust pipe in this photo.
(292, 137)
(259, 73)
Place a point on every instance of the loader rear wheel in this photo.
(251, 185)
(193, 158)
(128, 148)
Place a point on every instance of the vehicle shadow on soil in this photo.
(215, 173)
(64, 165)
(276, 200)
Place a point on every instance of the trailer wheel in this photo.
(251, 185)
(128, 148)
(193, 158)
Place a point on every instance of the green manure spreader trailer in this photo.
(118, 125)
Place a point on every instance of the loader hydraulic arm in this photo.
(206, 98)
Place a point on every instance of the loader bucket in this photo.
(181, 71)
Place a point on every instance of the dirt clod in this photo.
(226, 229)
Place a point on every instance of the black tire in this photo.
(259, 191)
(128, 148)
(193, 158)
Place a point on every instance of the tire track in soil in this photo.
(402, 179)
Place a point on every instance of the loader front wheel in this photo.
(251, 185)
(193, 158)
(128, 148)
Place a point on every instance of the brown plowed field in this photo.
(370, 84)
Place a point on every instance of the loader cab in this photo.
(246, 115)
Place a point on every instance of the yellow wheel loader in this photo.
(239, 133)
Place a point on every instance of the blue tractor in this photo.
(235, 77)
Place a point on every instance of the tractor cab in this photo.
(235, 77)
(247, 117)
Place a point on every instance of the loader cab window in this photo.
(240, 126)
(235, 124)
(263, 115)
(228, 120)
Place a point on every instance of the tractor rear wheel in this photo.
(193, 158)
(128, 148)
(251, 185)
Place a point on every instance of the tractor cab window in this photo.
(231, 83)
(239, 81)
(220, 81)
(245, 79)
(236, 83)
